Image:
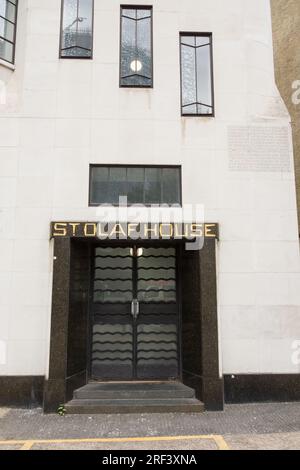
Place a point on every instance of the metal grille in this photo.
(157, 275)
(112, 350)
(157, 352)
(113, 275)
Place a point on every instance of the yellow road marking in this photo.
(27, 444)
(221, 443)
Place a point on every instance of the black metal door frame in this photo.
(134, 321)
(179, 247)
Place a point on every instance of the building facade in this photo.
(194, 277)
(286, 19)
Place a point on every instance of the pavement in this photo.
(270, 426)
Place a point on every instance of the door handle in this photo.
(135, 308)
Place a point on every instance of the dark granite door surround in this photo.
(200, 345)
(70, 322)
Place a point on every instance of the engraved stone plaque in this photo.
(259, 148)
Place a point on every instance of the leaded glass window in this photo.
(77, 29)
(196, 74)
(136, 68)
(8, 20)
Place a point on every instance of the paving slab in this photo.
(280, 441)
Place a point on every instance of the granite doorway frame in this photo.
(198, 270)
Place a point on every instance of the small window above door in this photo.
(147, 185)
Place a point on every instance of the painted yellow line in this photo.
(221, 443)
(27, 444)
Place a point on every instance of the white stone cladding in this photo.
(61, 115)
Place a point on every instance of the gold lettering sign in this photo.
(134, 231)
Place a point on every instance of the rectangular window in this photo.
(77, 29)
(8, 24)
(140, 184)
(196, 74)
(136, 61)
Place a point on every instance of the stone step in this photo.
(108, 406)
(94, 391)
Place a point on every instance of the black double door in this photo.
(135, 314)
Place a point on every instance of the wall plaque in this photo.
(259, 148)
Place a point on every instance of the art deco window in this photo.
(8, 20)
(77, 29)
(142, 185)
(196, 74)
(136, 62)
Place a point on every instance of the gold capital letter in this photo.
(178, 230)
(151, 230)
(86, 230)
(132, 229)
(100, 233)
(118, 230)
(197, 230)
(208, 230)
(169, 235)
(74, 226)
(60, 229)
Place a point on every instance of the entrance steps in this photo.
(134, 397)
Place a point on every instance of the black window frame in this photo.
(197, 34)
(61, 36)
(163, 167)
(13, 43)
(136, 7)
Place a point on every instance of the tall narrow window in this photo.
(8, 20)
(136, 67)
(77, 29)
(196, 74)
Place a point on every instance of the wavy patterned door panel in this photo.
(112, 335)
(157, 328)
(126, 346)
